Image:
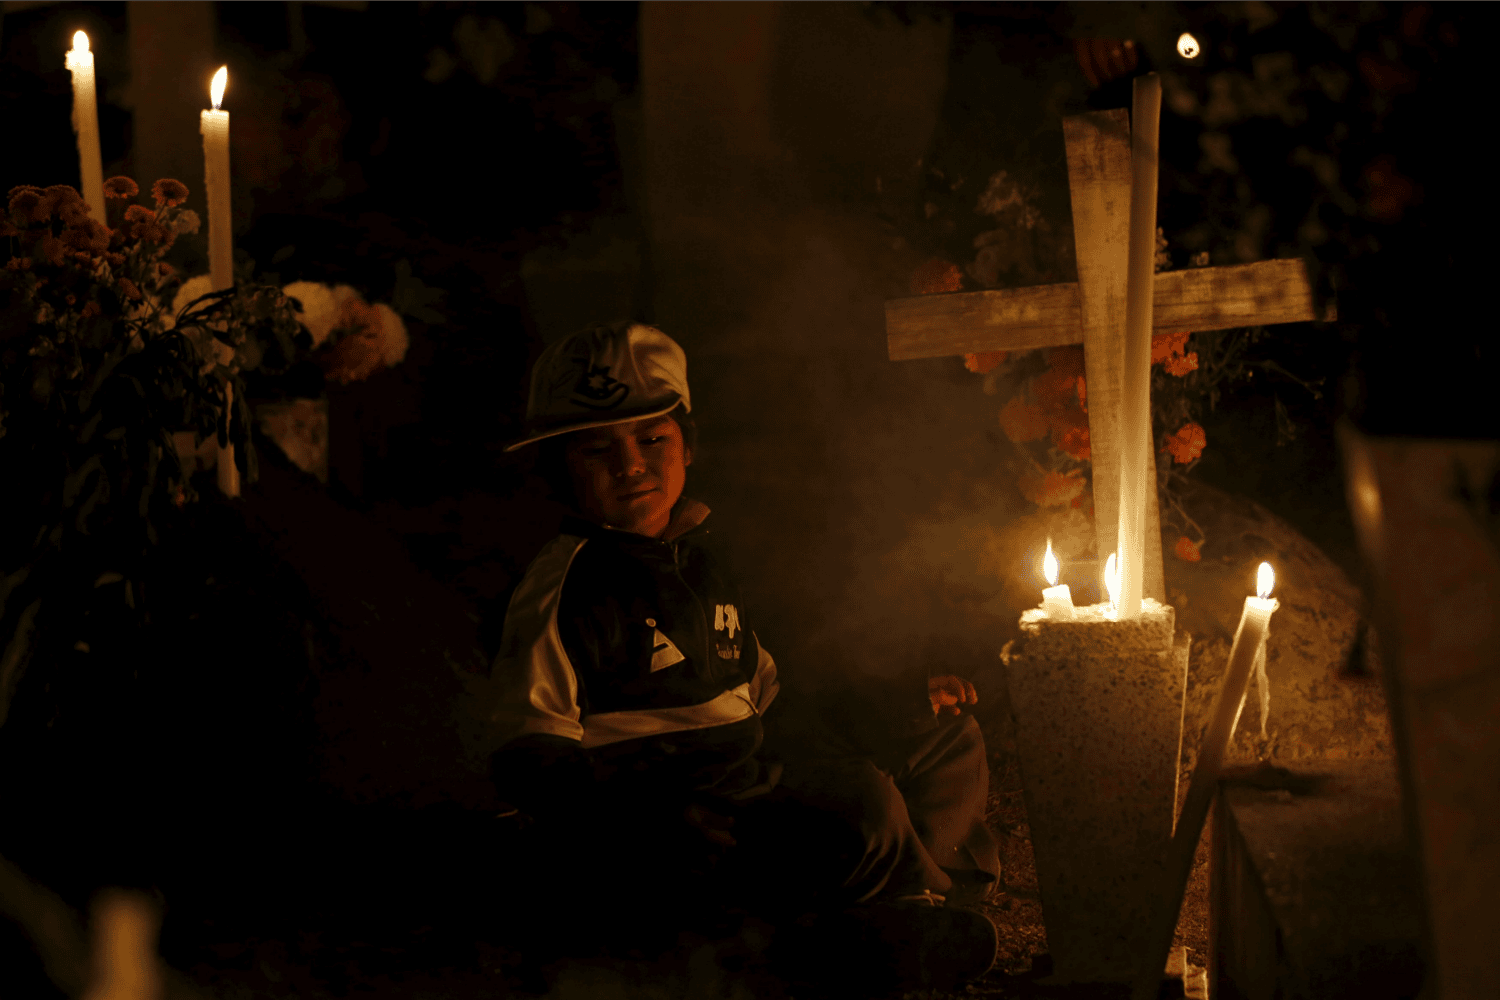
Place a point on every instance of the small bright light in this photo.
(1265, 580)
(216, 89)
(1187, 46)
(1112, 579)
(1049, 565)
(80, 41)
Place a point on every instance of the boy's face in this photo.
(628, 476)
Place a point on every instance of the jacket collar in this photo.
(687, 517)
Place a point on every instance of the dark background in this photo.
(547, 164)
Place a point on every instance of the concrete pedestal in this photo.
(1098, 711)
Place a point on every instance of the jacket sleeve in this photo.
(532, 689)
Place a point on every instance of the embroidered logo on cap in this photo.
(597, 390)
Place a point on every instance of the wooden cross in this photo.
(1092, 312)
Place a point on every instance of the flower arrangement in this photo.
(97, 373)
(1045, 413)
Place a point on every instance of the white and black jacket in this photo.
(627, 669)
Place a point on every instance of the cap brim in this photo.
(587, 424)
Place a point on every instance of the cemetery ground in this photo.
(393, 586)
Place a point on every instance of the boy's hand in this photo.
(948, 692)
(713, 826)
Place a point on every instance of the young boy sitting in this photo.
(638, 720)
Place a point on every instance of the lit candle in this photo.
(1112, 582)
(215, 128)
(1135, 413)
(86, 123)
(1057, 601)
(1248, 650)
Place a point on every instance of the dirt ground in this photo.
(699, 967)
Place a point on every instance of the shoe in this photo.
(907, 943)
(970, 886)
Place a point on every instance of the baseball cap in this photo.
(604, 374)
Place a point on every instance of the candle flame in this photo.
(1112, 579)
(1187, 46)
(1049, 565)
(216, 89)
(1265, 580)
(80, 41)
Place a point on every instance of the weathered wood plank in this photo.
(1019, 319)
(1219, 298)
(936, 326)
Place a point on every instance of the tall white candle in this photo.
(86, 123)
(1135, 414)
(215, 128)
(1249, 648)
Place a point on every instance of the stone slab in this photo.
(1314, 887)
(1097, 707)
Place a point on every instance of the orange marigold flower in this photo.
(129, 290)
(139, 213)
(1052, 489)
(1057, 387)
(1165, 345)
(169, 192)
(121, 188)
(18, 264)
(152, 232)
(22, 187)
(984, 361)
(115, 259)
(1023, 421)
(89, 235)
(50, 249)
(936, 276)
(165, 270)
(73, 212)
(54, 200)
(1074, 442)
(23, 204)
(62, 193)
(1181, 365)
(1187, 550)
(90, 308)
(1187, 444)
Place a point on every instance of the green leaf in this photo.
(413, 297)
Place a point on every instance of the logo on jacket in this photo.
(663, 653)
(726, 619)
(597, 389)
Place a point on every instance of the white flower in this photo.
(190, 289)
(321, 306)
(393, 336)
(187, 221)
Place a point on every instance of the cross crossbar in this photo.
(1021, 319)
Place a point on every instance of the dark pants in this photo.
(845, 827)
(840, 828)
